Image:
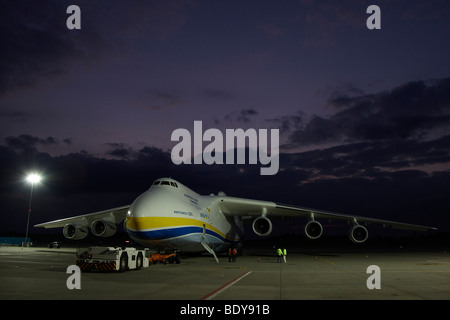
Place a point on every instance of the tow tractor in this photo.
(112, 258)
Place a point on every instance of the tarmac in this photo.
(41, 274)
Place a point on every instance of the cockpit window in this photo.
(165, 183)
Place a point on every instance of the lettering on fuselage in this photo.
(204, 215)
(186, 213)
(191, 199)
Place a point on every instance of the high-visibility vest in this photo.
(279, 252)
(285, 252)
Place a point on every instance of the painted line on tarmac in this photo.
(330, 262)
(221, 289)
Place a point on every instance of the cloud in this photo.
(166, 99)
(16, 116)
(36, 43)
(288, 124)
(28, 143)
(372, 160)
(414, 110)
(157, 100)
(217, 94)
(372, 137)
(120, 151)
(243, 115)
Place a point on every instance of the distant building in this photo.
(12, 241)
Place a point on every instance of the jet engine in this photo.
(74, 231)
(103, 228)
(313, 229)
(262, 226)
(358, 234)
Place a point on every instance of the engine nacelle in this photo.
(262, 226)
(313, 229)
(358, 234)
(74, 231)
(102, 228)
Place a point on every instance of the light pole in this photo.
(32, 179)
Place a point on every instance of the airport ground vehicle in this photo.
(164, 258)
(112, 258)
(54, 244)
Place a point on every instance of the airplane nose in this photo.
(138, 210)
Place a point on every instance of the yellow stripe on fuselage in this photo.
(148, 223)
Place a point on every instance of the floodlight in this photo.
(33, 178)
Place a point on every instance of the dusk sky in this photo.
(364, 115)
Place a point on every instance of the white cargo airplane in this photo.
(171, 216)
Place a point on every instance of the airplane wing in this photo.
(232, 206)
(115, 215)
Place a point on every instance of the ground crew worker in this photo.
(230, 254)
(234, 253)
(284, 254)
(280, 253)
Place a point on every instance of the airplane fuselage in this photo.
(170, 215)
